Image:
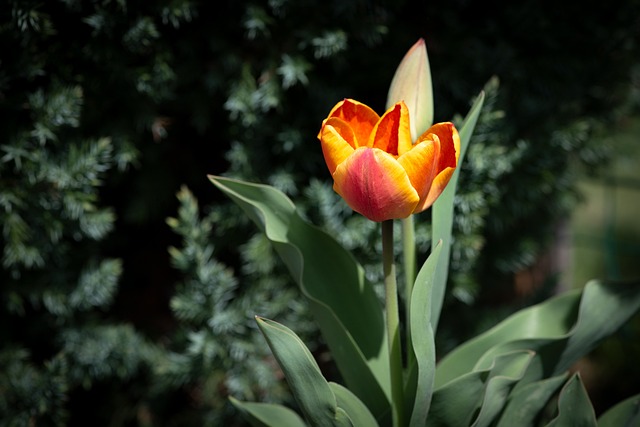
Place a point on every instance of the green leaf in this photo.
(309, 387)
(560, 330)
(357, 411)
(268, 414)
(574, 406)
(624, 414)
(422, 342)
(442, 215)
(526, 404)
(334, 284)
(458, 402)
(498, 390)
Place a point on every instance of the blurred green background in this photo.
(605, 228)
(128, 284)
(602, 241)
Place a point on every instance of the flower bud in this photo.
(412, 84)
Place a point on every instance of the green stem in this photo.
(409, 258)
(393, 324)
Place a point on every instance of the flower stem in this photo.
(409, 258)
(393, 324)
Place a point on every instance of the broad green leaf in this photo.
(357, 411)
(499, 387)
(421, 341)
(624, 414)
(560, 330)
(333, 282)
(342, 419)
(478, 394)
(603, 310)
(574, 406)
(309, 387)
(526, 404)
(268, 414)
(442, 215)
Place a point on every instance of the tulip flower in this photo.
(377, 168)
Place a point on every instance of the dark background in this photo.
(111, 312)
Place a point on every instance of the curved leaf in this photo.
(624, 414)
(561, 330)
(357, 411)
(421, 342)
(574, 406)
(526, 404)
(268, 414)
(499, 387)
(458, 402)
(309, 387)
(334, 284)
(442, 215)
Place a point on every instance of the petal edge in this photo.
(337, 141)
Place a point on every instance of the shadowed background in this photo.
(129, 284)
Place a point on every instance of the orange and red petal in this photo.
(420, 164)
(446, 163)
(392, 133)
(337, 141)
(374, 184)
(449, 144)
(358, 116)
(437, 187)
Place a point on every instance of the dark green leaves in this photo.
(560, 330)
(574, 406)
(311, 390)
(322, 403)
(344, 304)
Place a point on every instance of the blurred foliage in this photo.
(110, 107)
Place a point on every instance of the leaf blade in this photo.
(442, 214)
(526, 404)
(268, 414)
(422, 340)
(458, 402)
(548, 328)
(574, 406)
(357, 411)
(310, 389)
(624, 414)
(332, 281)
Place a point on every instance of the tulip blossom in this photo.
(377, 168)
